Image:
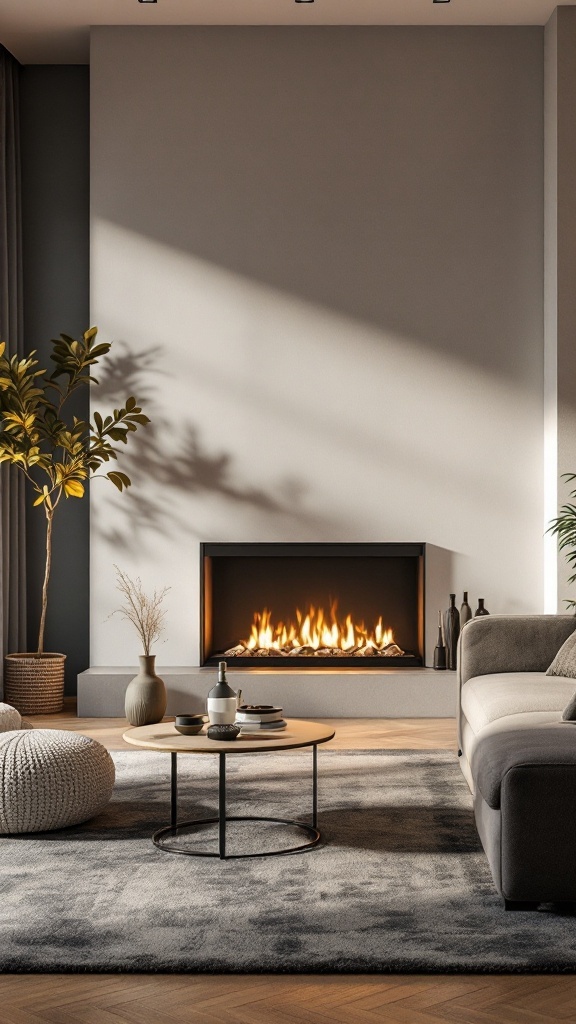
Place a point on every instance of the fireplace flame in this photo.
(316, 631)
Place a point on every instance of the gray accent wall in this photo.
(55, 184)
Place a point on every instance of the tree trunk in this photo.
(49, 517)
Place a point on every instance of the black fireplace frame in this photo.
(209, 551)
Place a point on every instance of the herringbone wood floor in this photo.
(266, 999)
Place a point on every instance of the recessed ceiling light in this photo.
(156, 1)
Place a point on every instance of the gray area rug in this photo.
(400, 885)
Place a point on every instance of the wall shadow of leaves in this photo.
(190, 469)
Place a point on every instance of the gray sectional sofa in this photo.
(518, 756)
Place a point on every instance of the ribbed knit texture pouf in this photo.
(51, 779)
(9, 718)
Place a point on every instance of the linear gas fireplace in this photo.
(312, 605)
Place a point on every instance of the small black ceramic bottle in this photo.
(465, 610)
(451, 632)
(481, 610)
(221, 703)
(440, 650)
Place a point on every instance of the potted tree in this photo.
(57, 453)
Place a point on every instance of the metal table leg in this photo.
(315, 786)
(176, 828)
(173, 791)
(222, 806)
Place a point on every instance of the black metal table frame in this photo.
(175, 827)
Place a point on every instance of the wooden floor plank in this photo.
(10, 1014)
(351, 733)
(425, 995)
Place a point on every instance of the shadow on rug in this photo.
(400, 884)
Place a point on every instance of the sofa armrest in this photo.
(538, 833)
(509, 643)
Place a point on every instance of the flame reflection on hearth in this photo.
(315, 633)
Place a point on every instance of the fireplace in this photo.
(312, 605)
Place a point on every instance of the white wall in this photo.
(319, 254)
(560, 294)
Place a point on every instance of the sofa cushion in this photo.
(564, 663)
(487, 698)
(516, 742)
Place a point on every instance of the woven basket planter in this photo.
(34, 683)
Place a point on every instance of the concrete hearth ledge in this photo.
(303, 693)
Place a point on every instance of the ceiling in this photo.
(57, 31)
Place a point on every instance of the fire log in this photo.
(393, 651)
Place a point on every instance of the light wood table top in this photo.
(164, 737)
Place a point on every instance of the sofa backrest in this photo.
(511, 643)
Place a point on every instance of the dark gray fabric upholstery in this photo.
(538, 855)
(506, 747)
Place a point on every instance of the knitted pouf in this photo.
(51, 779)
(9, 718)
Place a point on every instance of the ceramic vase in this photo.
(145, 701)
(440, 649)
(451, 632)
(481, 610)
(465, 610)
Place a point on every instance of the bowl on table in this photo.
(190, 725)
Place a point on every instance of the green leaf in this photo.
(98, 351)
(120, 480)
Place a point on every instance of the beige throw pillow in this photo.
(564, 663)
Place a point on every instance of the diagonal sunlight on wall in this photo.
(277, 419)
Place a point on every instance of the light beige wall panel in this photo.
(319, 253)
(560, 276)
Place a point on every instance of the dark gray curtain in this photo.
(12, 509)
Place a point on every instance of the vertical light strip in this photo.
(550, 425)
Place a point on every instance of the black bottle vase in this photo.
(465, 610)
(481, 610)
(440, 650)
(451, 632)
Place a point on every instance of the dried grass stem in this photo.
(142, 610)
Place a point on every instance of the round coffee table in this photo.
(163, 737)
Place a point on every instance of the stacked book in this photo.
(258, 718)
